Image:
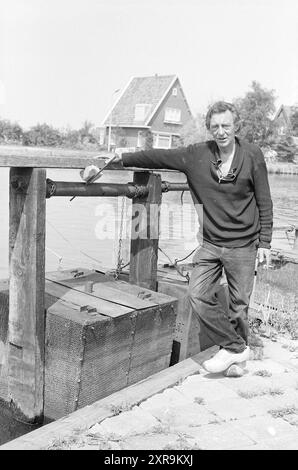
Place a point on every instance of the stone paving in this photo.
(204, 411)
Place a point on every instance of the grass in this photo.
(263, 373)
(276, 300)
(117, 409)
(181, 444)
(258, 393)
(67, 442)
(199, 400)
(284, 411)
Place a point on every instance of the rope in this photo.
(186, 276)
(71, 244)
(183, 259)
(56, 254)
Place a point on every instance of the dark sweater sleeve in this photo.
(172, 159)
(263, 198)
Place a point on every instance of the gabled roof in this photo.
(140, 90)
(288, 111)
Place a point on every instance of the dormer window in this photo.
(141, 111)
(172, 115)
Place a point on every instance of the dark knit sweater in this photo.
(235, 213)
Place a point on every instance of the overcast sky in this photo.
(62, 60)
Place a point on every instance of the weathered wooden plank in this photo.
(155, 296)
(184, 316)
(145, 232)
(90, 415)
(81, 299)
(39, 157)
(26, 294)
(19, 156)
(108, 291)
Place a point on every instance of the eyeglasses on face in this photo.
(227, 128)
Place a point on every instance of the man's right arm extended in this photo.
(172, 159)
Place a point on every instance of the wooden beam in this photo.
(26, 292)
(145, 232)
(36, 157)
(39, 157)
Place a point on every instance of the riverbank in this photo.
(279, 168)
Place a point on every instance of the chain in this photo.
(119, 259)
(175, 265)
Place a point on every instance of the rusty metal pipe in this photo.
(130, 190)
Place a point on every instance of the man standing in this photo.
(228, 178)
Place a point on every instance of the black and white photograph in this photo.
(149, 227)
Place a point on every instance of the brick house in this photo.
(149, 112)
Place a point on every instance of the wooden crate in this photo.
(101, 336)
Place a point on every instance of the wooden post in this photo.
(26, 292)
(145, 232)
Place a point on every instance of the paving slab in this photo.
(264, 427)
(127, 423)
(265, 365)
(234, 409)
(171, 396)
(267, 403)
(207, 390)
(258, 446)
(285, 380)
(276, 352)
(281, 443)
(217, 437)
(150, 441)
(190, 414)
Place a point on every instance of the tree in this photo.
(71, 138)
(285, 149)
(42, 135)
(294, 121)
(10, 132)
(256, 110)
(193, 130)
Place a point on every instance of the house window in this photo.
(172, 115)
(162, 141)
(174, 92)
(141, 111)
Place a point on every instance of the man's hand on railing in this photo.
(88, 172)
(92, 173)
(118, 158)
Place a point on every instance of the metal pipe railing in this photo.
(130, 190)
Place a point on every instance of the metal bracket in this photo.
(51, 187)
